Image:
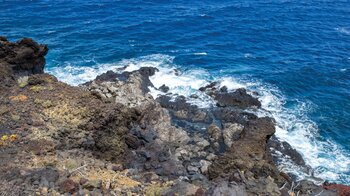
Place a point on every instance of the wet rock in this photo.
(148, 71)
(210, 87)
(283, 147)
(233, 115)
(108, 76)
(194, 96)
(164, 88)
(238, 98)
(223, 89)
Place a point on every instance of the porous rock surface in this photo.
(111, 137)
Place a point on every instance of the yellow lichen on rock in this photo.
(116, 179)
(19, 97)
(4, 109)
(110, 179)
(4, 138)
(154, 190)
(23, 81)
(37, 88)
(66, 113)
(13, 137)
(44, 103)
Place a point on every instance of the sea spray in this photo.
(327, 160)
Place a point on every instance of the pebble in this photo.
(23, 173)
(204, 143)
(192, 169)
(204, 166)
(44, 191)
(91, 184)
(211, 157)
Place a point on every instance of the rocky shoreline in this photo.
(109, 136)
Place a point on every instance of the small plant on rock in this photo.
(6, 140)
(22, 81)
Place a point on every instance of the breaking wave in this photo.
(327, 160)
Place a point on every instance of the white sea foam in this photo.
(248, 55)
(327, 159)
(75, 75)
(200, 54)
(343, 30)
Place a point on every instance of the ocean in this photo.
(295, 54)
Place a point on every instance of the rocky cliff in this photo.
(111, 137)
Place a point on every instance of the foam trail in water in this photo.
(292, 124)
(200, 54)
(343, 30)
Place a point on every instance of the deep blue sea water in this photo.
(296, 54)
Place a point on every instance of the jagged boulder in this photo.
(24, 55)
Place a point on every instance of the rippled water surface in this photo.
(296, 54)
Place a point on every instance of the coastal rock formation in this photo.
(111, 137)
(24, 56)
